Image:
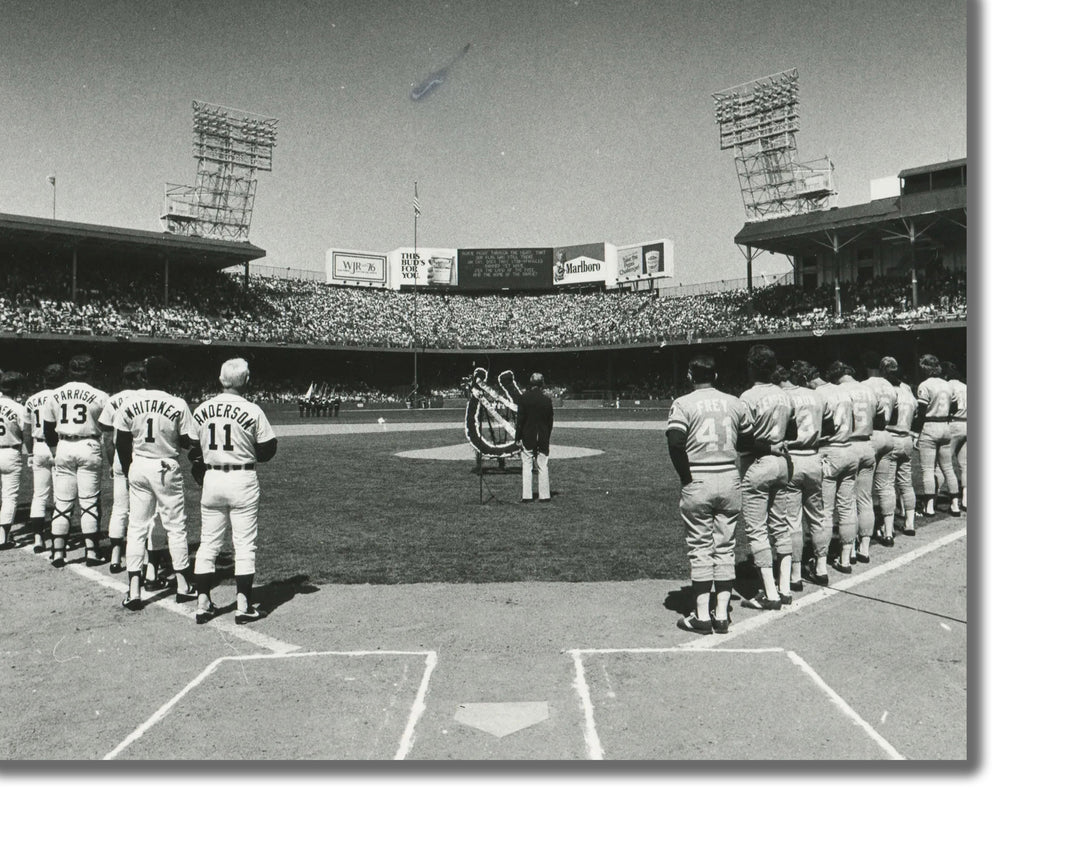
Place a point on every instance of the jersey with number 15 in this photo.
(229, 427)
(711, 420)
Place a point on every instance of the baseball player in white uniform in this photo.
(12, 416)
(118, 518)
(152, 427)
(234, 435)
(40, 459)
(70, 421)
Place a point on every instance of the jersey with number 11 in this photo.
(229, 428)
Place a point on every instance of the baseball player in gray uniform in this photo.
(152, 427)
(958, 425)
(863, 407)
(70, 421)
(936, 404)
(234, 435)
(12, 417)
(40, 457)
(839, 466)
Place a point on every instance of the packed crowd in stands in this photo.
(270, 309)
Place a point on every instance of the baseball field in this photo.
(419, 611)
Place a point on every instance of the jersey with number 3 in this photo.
(711, 421)
(76, 408)
(808, 411)
(156, 421)
(229, 427)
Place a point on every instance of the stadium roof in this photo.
(121, 242)
(940, 214)
(932, 169)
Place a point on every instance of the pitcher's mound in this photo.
(464, 451)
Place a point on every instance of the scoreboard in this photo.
(495, 269)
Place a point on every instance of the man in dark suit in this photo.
(534, 422)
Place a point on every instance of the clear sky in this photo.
(567, 121)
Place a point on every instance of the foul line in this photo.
(410, 727)
(163, 601)
(845, 708)
(769, 617)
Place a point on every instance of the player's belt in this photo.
(74, 437)
(958, 419)
(844, 444)
(38, 439)
(935, 418)
(860, 438)
(246, 467)
(898, 432)
(802, 452)
(712, 467)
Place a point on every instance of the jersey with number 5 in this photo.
(229, 427)
(75, 409)
(156, 421)
(711, 420)
(863, 406)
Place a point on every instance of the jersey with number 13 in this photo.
(75, 408)
(229, 427)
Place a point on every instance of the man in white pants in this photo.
(12, 416)
(118, 518)
(151, 429)
(535, 419)
(70, 421)
(40, 457)
(234, 435)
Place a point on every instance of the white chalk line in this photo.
(163, 601)
(593, 746)
(845, 708)
(770, 617)
(402, 427)
(404, 745)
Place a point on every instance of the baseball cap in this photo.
(54, 374)
(80, 365)
(134, 369)
(10, 381)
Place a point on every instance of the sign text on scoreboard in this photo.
(356, 268)
(505, 268)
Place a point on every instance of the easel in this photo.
(503, 470)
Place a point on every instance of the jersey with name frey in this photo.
(886, 400)
(75, 409)
(905, 410)
(959, 389)
(229, 427)
(836, 423)
(156, 421)
(711, 420)
(863, 404)
(770, 412)
(807, 412)
(936, 395)
(12, 416)
(34, 405)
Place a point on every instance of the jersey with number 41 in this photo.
(229, 427)
(156, 421)
(711, 420)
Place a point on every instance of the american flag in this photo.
(416, 203)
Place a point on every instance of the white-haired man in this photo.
(535, 419)
(234, 435)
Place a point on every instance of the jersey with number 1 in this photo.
(229, 427)
(12, 414)
(34, 405)
(75, 408)
(711, 420)
(156, 421)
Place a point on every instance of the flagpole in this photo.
(416, 284)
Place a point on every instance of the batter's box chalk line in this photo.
(408, 736)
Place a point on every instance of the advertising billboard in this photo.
(429, 268)
(357, 268)
(644, 261)
(577, 265)
(494, 269)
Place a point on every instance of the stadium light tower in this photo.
(759, 120)
(229, 147)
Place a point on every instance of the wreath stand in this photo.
(480, 458)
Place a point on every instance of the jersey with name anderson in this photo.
(229, 427)
(156, 421)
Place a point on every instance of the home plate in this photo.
(465, 451)
(501, 718)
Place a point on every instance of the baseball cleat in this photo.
(692, 623)
(190, 595)
(59, 562)
(842, 567)
(955, 513)
(132, 604)
(761, 602)
(39, 549)
(252, 614)
(155, 585)
(862, 558)
(204, 616)
(820, 580)
(909, 532)
(116, 568)
(797, 586)
(720, 626)
(887, 542)
(785, 599)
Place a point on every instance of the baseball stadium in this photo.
(399, 596)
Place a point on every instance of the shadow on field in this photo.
(271, 596)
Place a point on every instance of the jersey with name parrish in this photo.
(711, 420)
(886, 400)
(863, 405)
(770, 412)
(75, 409)
(156, 421)
(836, 423)
(12, 417)
(936, 395)
(229, 427)
(905, 410)
(959, 389)
(34, 405)
(807, 412)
